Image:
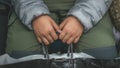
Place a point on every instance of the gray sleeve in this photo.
(89, 12)
(27, 10)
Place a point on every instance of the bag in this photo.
(32, 62)
(115, 14)
(78, 63)
(67, 60)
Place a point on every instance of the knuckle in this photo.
(55, 37)
(43, 33)
(76, 40)
(39, 40)
(68, 42)
(47, 43)
(61, 36)
(50, 30)
(64, 40)
(51, 40)
(71, 33)
(67, 30)
(76, 36)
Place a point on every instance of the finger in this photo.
(39, 40)
(56, 27)
(66, 37)
(49, 38)
(62, 25)
(71, 40)
(54, 35)
(76, 39)
(62, 35)
(45, 41)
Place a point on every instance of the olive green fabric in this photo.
(20, 38)
(59, 8)
(59, 4)
(99, 36)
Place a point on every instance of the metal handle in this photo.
(70, 51)
(69, 54)
(45, 51)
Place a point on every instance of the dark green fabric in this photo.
(21, 39)
(100, 53)
(3, 27)
(59, 8)
(5, 2)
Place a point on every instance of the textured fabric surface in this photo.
(115, 13)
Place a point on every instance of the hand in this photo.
(45, 29)
(71, 30)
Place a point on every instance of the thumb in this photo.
(62, 25)
(56, 27)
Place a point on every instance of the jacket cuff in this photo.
(30, 16)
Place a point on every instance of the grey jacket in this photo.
(89, 12)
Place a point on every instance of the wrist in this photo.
(75, 18)
(39, 17)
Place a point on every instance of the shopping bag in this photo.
(65, 63)
(38, 61)
(67, 60)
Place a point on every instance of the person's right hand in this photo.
(45, 29)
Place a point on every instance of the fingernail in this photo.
(59, 31)
(47, 44)
(68, 43)
(56, 38)
(63, 41)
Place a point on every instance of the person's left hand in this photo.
(71, 30)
